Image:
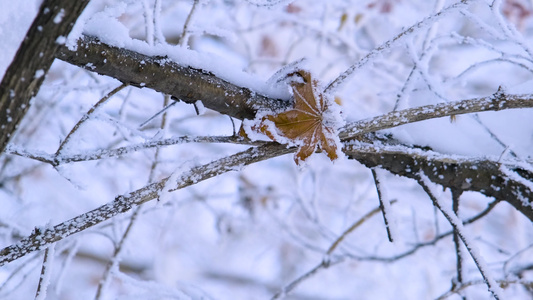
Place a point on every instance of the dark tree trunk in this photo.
(34, 57)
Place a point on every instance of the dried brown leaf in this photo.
(304, 124)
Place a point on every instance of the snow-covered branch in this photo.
(483, 175)
(163, 75)
(459, 229)
(41, 237)
(56, 160)
(495, 102)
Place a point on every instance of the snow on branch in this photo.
(163, 75)
(498, 101)
(42, 237)
(56, 160)
(511, 184)
(459, 228)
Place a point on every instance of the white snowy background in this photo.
(249, 234)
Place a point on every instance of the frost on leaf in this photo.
(310, 125)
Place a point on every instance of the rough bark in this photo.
(161, 74)
(505, 182)
(34, 57)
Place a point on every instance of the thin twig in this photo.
(353, 227)
(158, 33)
(327, 262)
(290, 287)
(184, 39)
(87, 115)
(113, 263)
(164, 109)
(381, 205)
(341, 79)
(44, 279)
(24, 269)
(458, 289)
(458, 226)
(456, 195)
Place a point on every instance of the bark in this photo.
(34, 57)
(505, 182)
(161, 74)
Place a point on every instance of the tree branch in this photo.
(161, 74)
(42, 237)
(480, 175)
(495, 102)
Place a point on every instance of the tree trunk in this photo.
(34, 57)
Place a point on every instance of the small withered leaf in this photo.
(304, 125)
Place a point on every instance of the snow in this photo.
(39, 73)
(109, 30)
(59, 17)
(45, 278)
(468, 241)
(255, 229)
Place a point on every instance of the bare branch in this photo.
(504, 283)
(184, 38)
(44, 280)
(113, 263)
(456, 195)
(87, 115)
(333, 86)
(377, 183)
(353, 227)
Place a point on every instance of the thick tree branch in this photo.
(24, 76)
(163, 75)
(506, 182)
